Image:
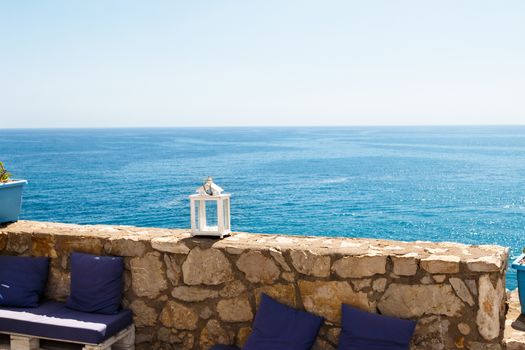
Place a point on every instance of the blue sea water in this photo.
(462, 184)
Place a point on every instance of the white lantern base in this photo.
(211, 233)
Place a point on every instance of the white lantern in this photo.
(210, 211)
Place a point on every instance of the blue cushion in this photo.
(96, 283)
(53, 320)
(367, 331)
(280, 327)
(224, 347)
(22, 280)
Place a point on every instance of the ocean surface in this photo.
(461, 184)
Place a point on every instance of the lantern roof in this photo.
(209, 188)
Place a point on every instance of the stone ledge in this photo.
(477, 258)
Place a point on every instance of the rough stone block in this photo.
(206, 266)
(325, 298)
(193, 294)
(170, 245)
(461, 290)
(279, 258)
(215, 333)
(143, 315)
(485, 264)
(235, 310)
(311, 264)
(360, 266)
(44, 245)
(147, 275)
(284, 293)
(490, 301)
(405, 265)
(440, 264)
(258, 268)
(178, 316)
(411, 301)
(125, 247)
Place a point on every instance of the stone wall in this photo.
(190, 293)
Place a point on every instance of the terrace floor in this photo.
(514, 337)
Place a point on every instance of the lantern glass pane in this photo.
(198, 213)
(226, 213)
(211, 215)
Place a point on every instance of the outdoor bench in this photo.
(53, 326)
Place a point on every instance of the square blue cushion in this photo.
(96, 283)
(280, 327)
(367, 331)
(22, 280)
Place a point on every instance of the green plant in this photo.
(4, 174)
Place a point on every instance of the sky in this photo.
(107, 63)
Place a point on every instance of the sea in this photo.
(461, 184)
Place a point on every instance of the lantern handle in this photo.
(207, 186)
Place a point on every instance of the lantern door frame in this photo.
(223, 215)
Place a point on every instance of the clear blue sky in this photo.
(208, 63)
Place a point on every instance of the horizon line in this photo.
(259, 126)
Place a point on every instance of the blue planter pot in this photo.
(11, 200)
(521, 280)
